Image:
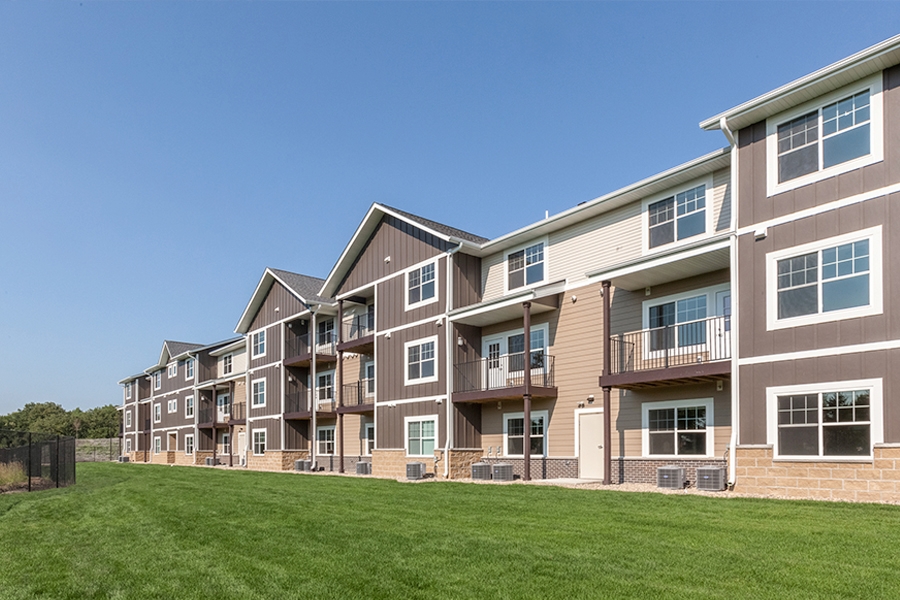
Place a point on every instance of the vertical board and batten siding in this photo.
(391, 365)
(273, 347)
(296, 435)
(273, 392)
(390, 434)
(466, 280)
(467, 426)
(404, 243)
(278, 297)
(273, 433)
(391, 309)
(605, 240)
(177, 418)
(756, 206)
(627, 432)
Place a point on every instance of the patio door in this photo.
(223, 407)
(494, 349)
(720, 348)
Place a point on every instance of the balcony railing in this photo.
(358, 328)
(693, 342)
(298, 345)
(360, 393)
(223, 414)
(508, 371)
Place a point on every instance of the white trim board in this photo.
(820, 352)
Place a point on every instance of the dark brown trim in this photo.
(695, 373)
(303, 415)
(510, 393)
(355, 409)
(526, 394)
(339, 430)
(305, 359)
(607, 363)
(363, 345)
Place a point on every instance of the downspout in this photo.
(735, 371)
(313, 387)
(450, 413)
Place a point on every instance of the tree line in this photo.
(49, 417)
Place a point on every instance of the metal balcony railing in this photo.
(358, 328)
(298, 345)
(499, 372)
(223, 414)
(703, 340)
(297, 401)
(360, 393)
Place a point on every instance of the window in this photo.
(525, 267)
(677, 217)
(325, 386)
(830, 279)
(832, 135)
(189, 444)
(678, 428)
(127, 445)
(259, 343)
(173, 405)
(127, 419)
(421, 361)
(157, 445)
(226, 443)
(173, 370)
(128, 391)
(840, 419)
(189, 406)
(686, 315)
(157, 413)
(325, 440)
(514, 433)
(421, 435)
(227, 364)
(259, 442)
(259, 392)
(370, 379)
(157, 380)
(421, 285)
(189, 369)
(370, 439)
(325, 335)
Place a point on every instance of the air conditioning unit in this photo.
(415, 470)
(503, 472)
(481, 471)
(211, 462)
(363, 468)
(123, 459)
(671, 477)
(711, 479)
(302, 465)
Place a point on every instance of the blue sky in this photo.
(156, 157)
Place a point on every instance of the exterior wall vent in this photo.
(503, 472)
(481, 471)
(363, 468)
(415, 470)
(671, 477)
(711, 479)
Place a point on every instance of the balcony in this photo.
(298, 353)
(213, 417)
(359, 397)
(296, 406)
(692, 352)
(359, 335)
(503, 378)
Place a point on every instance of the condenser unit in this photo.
(671, 478)
(481, 471)
(123, 459)
(211, 462)
(503, 472)
(415, 470)
(711, 479)
(302, 465)
(363, 468)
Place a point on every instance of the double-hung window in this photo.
(157, 445)
(678, 428)
(370, 379)
(189, 369)
(157, 413)
(128, 391)
(325, 336)
(370, 439)
(421, 361)
(127, 445)
(421, 435)
(189, 406)
(259, 442)
(173, 369)
(325, 387)
(189, 444)
(127, 419)
(677, 217)
(258, 343)
(157, 380)
(515, 434)
(227, 364)
(525, 267)
(830, 279)
(258, 387)
(421, 285)
(325, 440)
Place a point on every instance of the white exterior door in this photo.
(223, 407)
(242, 446)
(590, 445)
(494, 349)
(720, 337)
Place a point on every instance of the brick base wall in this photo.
(541, 467)
(875, 481)
(643, 470)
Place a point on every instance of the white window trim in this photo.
(521, 415)
(876, 118)
(333, 385)
(544, 240)
(366, 366)
(157, 380)
(710, 430)
(366, 428)
(876, 275)
(187, 437)
(712, 310)
(253, 394)
(333, 439)
(229, 365)
(253, 441)
(505, 335)
(128, 391)
(127, 445)
(127, 419)
(420, 303)
(172, 406)
(188, 405)
(645, 216)
(253, 335)
(157, 412)
(419, 342)
(189, 367)
(172, 370)
(157, 444)
(419, 419)
(876, 415)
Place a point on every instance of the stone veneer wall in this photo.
(392, 463)
(139, 456)
(461, 461)
(162, 458)
(643, 470)
(276, 460)
(875, 481)
(200, 456)
(181, 458)
(541, 467)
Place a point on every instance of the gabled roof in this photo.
(367, 227)
(304, 287)
(871, 60)
(170, 350)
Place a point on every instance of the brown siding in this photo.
(466, 280)
(296, 435)
(391, 308)
(273, 347)
(391, 364)
(273, 433)
(278, 297)
(405, 244)
(390, 435)
(273, 392)
(756, 207)
(467, 426)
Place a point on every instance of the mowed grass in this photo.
(143, 531)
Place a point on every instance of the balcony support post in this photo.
(607, 363)
(340, 385)
(215, 416)
(526, 396)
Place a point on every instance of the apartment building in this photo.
(601, 342)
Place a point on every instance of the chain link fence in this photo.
(98, 450)
(35, 461)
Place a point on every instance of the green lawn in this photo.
(141, 531)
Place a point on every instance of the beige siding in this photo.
(721, 200)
